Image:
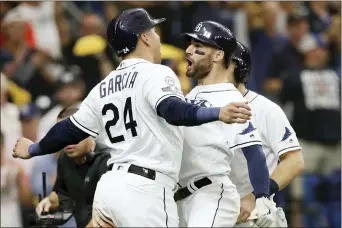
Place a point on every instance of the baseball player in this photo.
(279, 142)
(207, 197)
(136, 111)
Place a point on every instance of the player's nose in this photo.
(189, 50)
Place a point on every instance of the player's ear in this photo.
(145, 38)
(218, 55)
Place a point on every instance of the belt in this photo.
(144, 172)
(185, 192)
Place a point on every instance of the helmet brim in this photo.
(202, 39)
(158, 21)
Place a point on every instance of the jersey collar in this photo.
(250, 95)
(215, 87)
(130, 62)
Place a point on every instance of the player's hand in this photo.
(235, 112)
(21, 148)
(263, 212)
(247, 205)
(43, 205)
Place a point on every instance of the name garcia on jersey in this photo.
(117, 84)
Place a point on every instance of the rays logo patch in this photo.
(286, 135)
(249, 129)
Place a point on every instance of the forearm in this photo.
(288, 169)
(180, 113)
(257, 170)
(53, 197)
(60, 135)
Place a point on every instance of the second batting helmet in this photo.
(123, 32)
(243, 60)
(215, 35)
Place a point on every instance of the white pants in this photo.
(129, 200)
(214, 205)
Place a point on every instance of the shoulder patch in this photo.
(170, 81)
(286, 135)
(249, 129)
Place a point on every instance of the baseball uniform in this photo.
(124, 104)
(208, 151)
(277, 137)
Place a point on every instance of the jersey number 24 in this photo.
(129, 124)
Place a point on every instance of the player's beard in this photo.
(201, 68)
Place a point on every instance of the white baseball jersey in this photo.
(277, 136)
(123, 106)
(208, 149)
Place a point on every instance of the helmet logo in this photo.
(198, 27)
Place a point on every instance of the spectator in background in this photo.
(265, 42)
(15, 190)
(78, 171)
(335, 43)
(289, 59)
(10, 124)
(47, 164)
(315, 92)
(24, 65)
(286, 8)
(91, 52)
(11, 129)
(319, 16)
(71, 91)
(44, 18)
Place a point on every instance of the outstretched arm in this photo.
(60, 135)
(84, 123)
(180, 113)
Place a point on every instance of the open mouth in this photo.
(189, 63)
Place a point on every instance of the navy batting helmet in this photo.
(123, 32)
(215, 35)
(243, 60)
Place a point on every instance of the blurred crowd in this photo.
(54, 53)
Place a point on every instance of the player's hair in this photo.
(66, 112)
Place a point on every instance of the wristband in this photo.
(205, 115)
(34, 150)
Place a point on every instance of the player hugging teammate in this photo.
(137, 112)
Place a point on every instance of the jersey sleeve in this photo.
(161, 84)
(242, 135)
(280, 134)
(88, 118)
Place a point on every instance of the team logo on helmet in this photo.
(198, 27)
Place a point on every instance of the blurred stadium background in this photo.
(53, 53)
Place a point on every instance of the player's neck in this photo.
(216, 75)
(242, 88)
(139, 55)
(231, 79)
